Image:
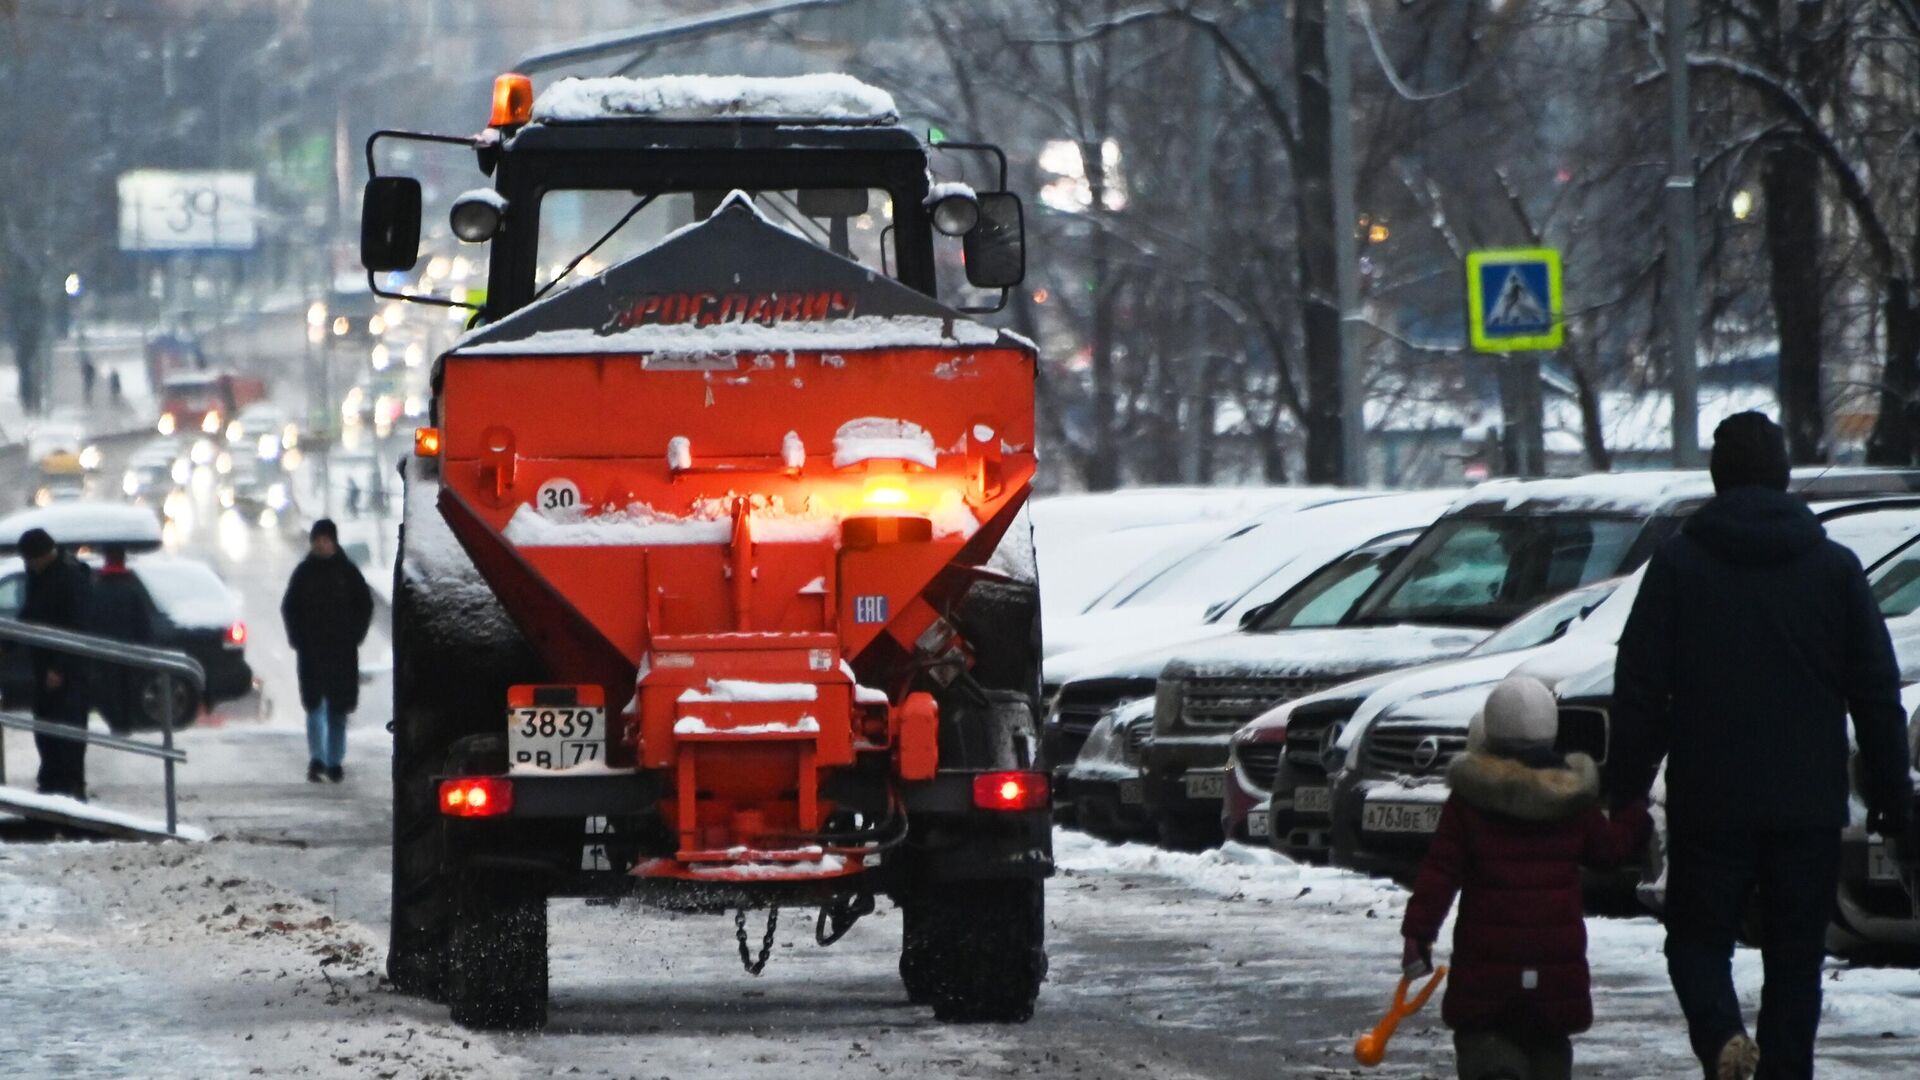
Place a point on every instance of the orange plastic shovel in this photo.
(1370, 1049)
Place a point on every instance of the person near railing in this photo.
(327, 610)
(119, 610)
(57, 595)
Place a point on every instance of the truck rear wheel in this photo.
(982, 951)
(916, 961)
(497, 954)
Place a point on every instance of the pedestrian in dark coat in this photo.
(57, 595)
(1517, 827)
(1751, 641)
(327, 610)
(120, 610)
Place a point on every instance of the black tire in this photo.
(445, 687)
(985, 950)
(916, 965)
(1001, 620)
(1188, 834)
(186, 703)
(497, 954)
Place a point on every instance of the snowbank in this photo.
(28, 800)
(830, 97)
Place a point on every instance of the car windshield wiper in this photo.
(604, 237)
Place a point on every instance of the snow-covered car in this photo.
(1253, 764)
(1877, 913)
(1322, 598)
(1086, 542)
(190, 609)
(1204, 591)
(1385, 794)
(1106, 776)
(1504, 548)
(83, 525)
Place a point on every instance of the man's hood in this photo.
(1320, 654)
(1754, 526)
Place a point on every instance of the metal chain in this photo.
(755, 967)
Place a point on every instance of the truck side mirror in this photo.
(996, 247)
(390, 224)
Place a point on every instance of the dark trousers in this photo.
(63, 762)
(1512, 1055)
(1790, 877)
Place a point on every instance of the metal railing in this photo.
(168, 663)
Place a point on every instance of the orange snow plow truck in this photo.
(711, 591)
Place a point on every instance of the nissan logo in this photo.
(1425, 754)
(1330, 745)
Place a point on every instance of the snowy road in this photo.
(259, 952)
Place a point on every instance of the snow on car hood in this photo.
(1329, 652)
(1121, 634)
(1437, 692)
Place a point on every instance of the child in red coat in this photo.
(1520, 823)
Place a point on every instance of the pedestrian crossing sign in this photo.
(1513, 299)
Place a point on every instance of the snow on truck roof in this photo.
(825, 98)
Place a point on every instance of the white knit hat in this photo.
(1519, 713)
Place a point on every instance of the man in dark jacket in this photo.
(1752, 639)
(57, 593)
(119, 610)
(327, 610)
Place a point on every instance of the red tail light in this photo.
(476, 796)
(1011, 791)
(237, 634)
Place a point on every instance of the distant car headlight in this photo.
(90, 458)
(43, 497)
(166, 424)
(235, 432)
(130, 484)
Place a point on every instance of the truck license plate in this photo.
(1311, 800)
(556, 737)
(1401, 817)
(1880, 865)
(1206, 785)
(1258, 824)
(1133, 792)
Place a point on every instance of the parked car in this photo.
(1233, 571)
(1877, 913)
(1254, 758)
(1106, 775)
(1505, 543)
(1322, 591)
(1086, 542)
(1389, 779)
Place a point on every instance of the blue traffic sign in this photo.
(1514, 300)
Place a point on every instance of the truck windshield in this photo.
(1488, 571)
(572, 220)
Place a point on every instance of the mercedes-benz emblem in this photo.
(1426, 753)
(1330, 745)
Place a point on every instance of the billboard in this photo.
(173, 210)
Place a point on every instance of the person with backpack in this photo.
(1519, 823)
